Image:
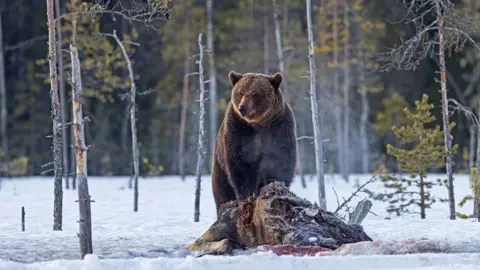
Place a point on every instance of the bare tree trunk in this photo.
(3, 102)
(316, 125)
(74, 42)
(476, 208)
(266, 39)
(183, 116)
(336, 92)
(73, 161)
(85, 222)
(201, 135)
(133, 120)
(61, 88)
(346, 94)
(57, 122)
(364, 115)
(471, 146)
(212, 79)
(278, 41)
(446, 125)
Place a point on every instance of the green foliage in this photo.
(424, 151)
(15, 167)
(429, 150)
(391, 114)
(474, 197)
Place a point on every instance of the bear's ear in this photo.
(276, 80)
(234, 77)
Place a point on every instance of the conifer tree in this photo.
(423, 150)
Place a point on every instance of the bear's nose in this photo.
(242, 109)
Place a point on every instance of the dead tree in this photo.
(314, 106)
(476, 208)
(449, 29)
(57, 121)
(61, 88)
(276, 217)
(278, 42)
(85, 222)
(346, 91)
(133, 120)
(266, 39)
(336, 92)
(364, 114)
(212, 77)
(201, 133)
(23, 218)
(3, 99)
(183, 114)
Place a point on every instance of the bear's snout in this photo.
(243, 110)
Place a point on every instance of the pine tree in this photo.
(423, 150)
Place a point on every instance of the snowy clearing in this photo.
(154, 237)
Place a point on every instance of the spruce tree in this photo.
(422, 150)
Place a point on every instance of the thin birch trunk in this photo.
(446, 129)
(3, 101)
(85, 222)
(477, 201)
(201, 135)
(336, 91)
(133, 121)
(212, 79)
(314, 106)
(57, 121)
(364, 115)
(474, 181)
(346, 93)
(278, 41)
(61, 87)
(183, 116)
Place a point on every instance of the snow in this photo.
(154, 237)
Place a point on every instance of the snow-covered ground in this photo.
(154, 237)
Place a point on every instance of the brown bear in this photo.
(256, 142)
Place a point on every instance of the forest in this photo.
(360, 94)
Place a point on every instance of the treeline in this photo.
(358, 105)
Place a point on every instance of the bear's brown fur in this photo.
(256, 142)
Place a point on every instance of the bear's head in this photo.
(257, 98)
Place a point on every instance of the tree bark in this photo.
(85, 222)
(314, 106)
(278, 41)
(72, 137)
(364, 115)
(471, 146)
(266, 39)
(3, 101)
(276, 217)
(183, 116)
(346, 93)
(57, 121)
(477, 203)
(336, 91)
(212, 79)
(61, 88)
(201, 130)
(133, 121)
(446, 129)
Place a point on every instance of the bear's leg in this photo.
(222, 191)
